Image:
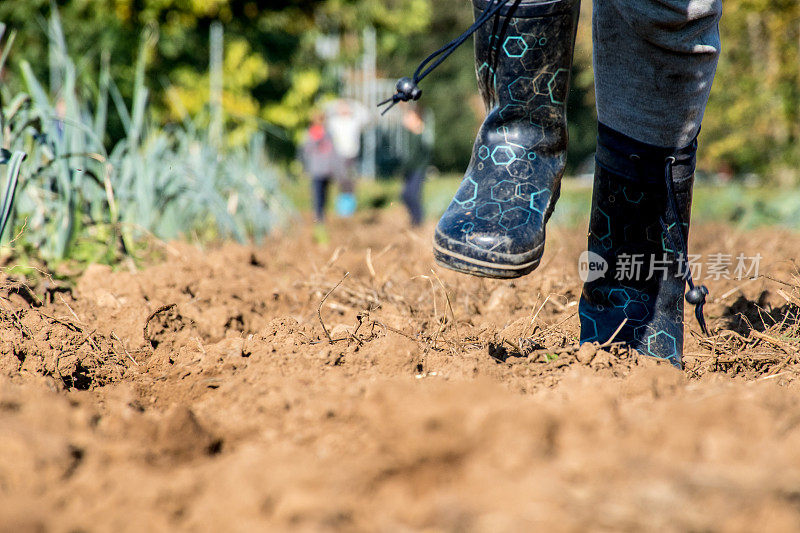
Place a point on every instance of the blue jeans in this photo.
(412, 195)
(654, 62)
(319, 196)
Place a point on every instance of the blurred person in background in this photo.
(654, 64)
(345, 121)
(323, 165)
(417, 157)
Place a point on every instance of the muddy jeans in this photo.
(654, 62)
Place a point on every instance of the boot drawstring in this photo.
(407, 88)
(696, 294)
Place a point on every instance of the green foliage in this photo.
(451, 89)
(753, 120)
(75, 196)
(273, 77)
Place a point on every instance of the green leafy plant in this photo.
(72, 192)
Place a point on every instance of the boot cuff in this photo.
(642, 162)
(531, 8)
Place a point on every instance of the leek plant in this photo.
(168, 182)
(12, 160)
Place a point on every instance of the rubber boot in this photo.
(495, 225)
(635, 268)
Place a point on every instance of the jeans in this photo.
(319, 196)
(654, 62)
(412, 195)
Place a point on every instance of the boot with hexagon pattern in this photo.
(495, 225)
(637, 263)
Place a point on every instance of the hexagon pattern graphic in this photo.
(514, 218)
(559, 79)
(503, 155)
(467, 192)
(589, 332)
(504, 191)
(536, 200)
(660, 339)
(619, 297)
(515, 46)
(489, 211)
(519, 89)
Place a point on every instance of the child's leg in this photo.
(495, 225)
(654, 62)
(654, 65)
(412, 195)
(319, 195)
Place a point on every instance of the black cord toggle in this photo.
(697, 295)
(407, 90)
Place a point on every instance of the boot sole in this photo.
(502, 269)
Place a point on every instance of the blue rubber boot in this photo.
(635, 268)
(495, 225)
(346, 204)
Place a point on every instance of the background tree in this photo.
(753, 118)
(273, 77)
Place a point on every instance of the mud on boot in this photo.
(495, 225)
(638, 230)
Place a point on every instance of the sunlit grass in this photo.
(742, 206)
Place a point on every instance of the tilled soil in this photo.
(357, 386)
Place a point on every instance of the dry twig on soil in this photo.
(319, 307)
